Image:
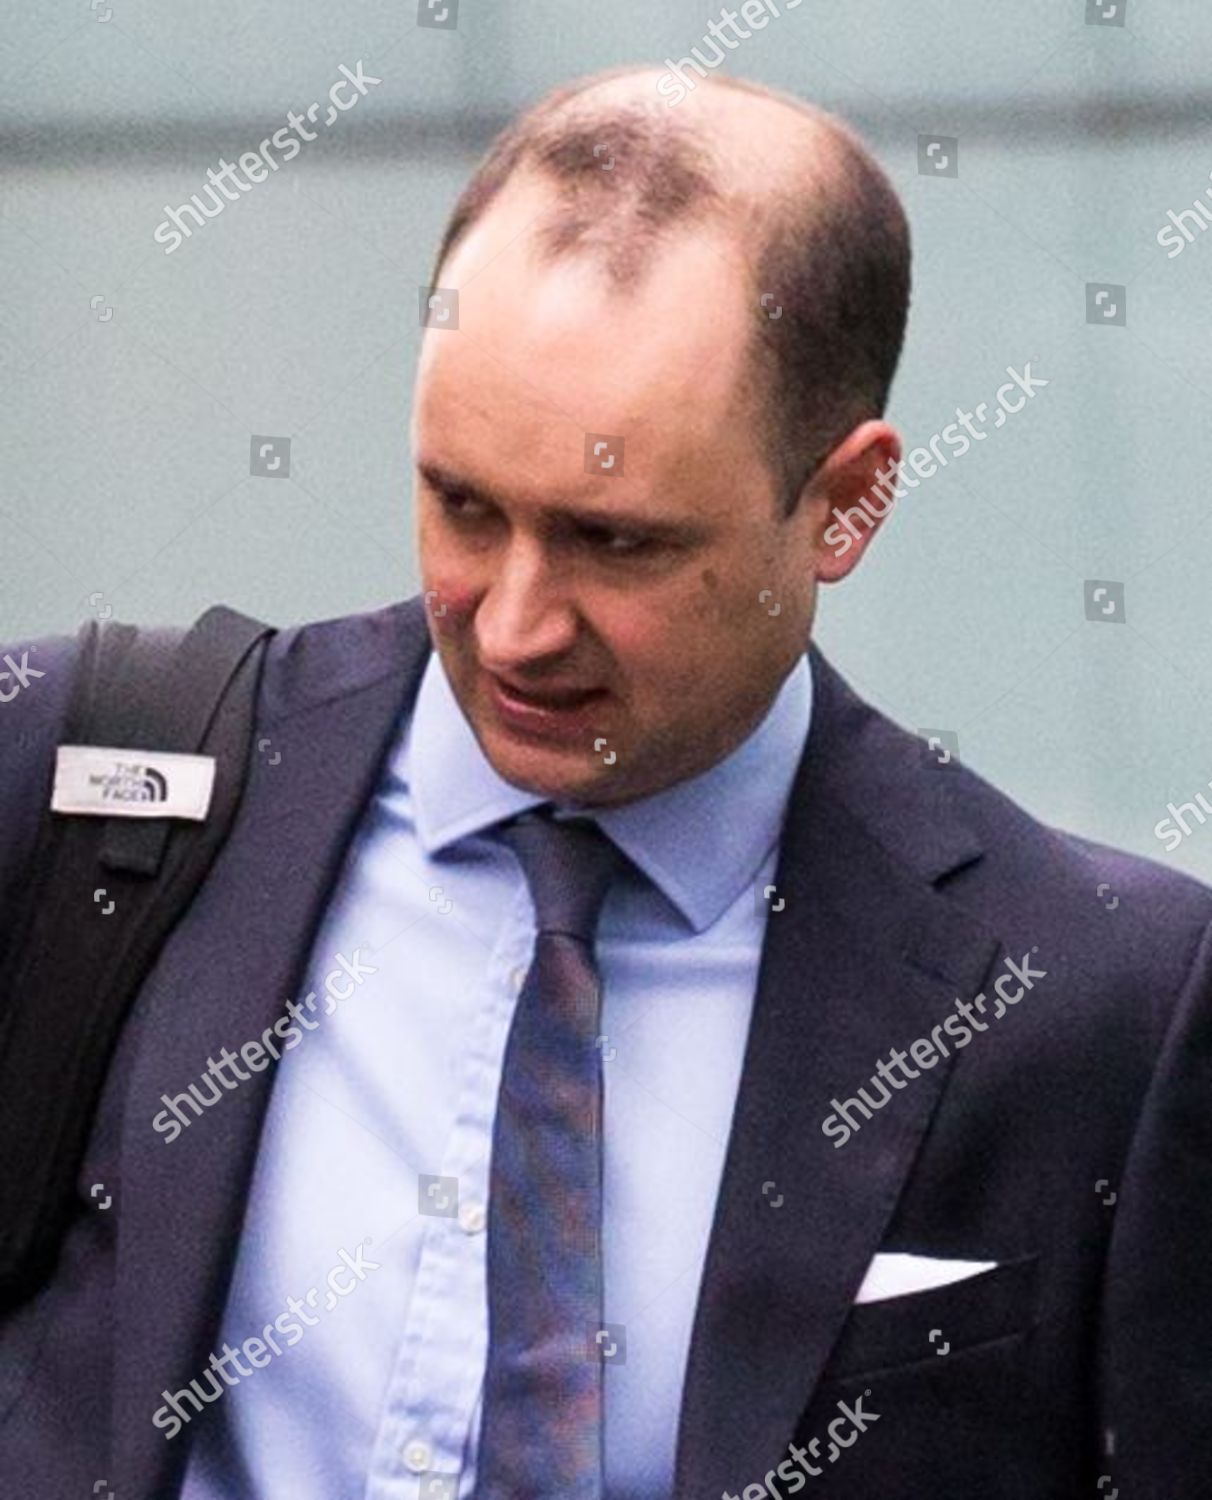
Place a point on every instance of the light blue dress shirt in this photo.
(378, 1398)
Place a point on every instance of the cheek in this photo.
(449, 594)
(449, 603)
(627, 641)
(667, 656)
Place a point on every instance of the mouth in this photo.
(568, 697)
(566, 709)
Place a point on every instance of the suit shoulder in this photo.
(1130, 924)
(1026, 880)
(1081, 871)
(314, 662)
(35, 684)
(35, 688)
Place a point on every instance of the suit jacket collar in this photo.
(863, 954)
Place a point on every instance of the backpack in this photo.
(73, 965)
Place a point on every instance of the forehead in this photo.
(556, 346)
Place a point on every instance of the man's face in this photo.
(665, 583)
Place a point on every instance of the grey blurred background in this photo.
(134, 380)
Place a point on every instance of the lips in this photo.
(554, 698)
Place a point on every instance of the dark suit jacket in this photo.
(903, 887)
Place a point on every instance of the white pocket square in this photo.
(892, 1275)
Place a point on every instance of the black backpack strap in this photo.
(73, 970)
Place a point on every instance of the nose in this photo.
(524, 615)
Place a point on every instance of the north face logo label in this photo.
(111, 781)
(131, 782)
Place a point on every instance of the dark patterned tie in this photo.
(541, 1430)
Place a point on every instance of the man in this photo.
(901, 1181)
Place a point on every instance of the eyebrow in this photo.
(444, 479)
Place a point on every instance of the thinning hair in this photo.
(826, 241)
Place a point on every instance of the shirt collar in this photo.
(699, 859)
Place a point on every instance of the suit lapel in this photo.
(864, 955)
(329, 706)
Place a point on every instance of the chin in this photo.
(551, 772)
(535, 767)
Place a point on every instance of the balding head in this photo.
(816, 224)
(663, 320)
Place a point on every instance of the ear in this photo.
(849, 495)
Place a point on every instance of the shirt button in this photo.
(472, 1217)
(417, 1456)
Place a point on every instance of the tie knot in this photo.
(568, 866)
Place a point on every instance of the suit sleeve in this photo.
(32, 712)
(1157, 1298)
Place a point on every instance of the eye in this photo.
(458, 506)
(618, 543)
(455, 502)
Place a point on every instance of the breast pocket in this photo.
(922, 1326)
